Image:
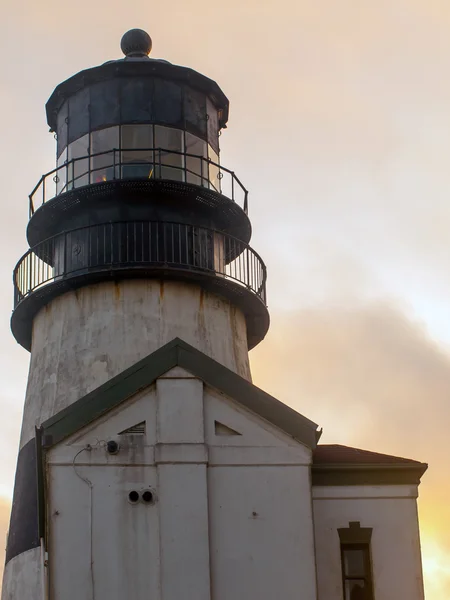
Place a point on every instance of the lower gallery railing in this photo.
(139, 245)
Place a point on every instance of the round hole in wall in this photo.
(147, 496)
(133, 496)
(112, 447)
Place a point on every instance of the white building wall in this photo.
(84, 338)
(261, 532)
(395, 547)
(232, 516)
(262, 543)
(96, 535)
(181, 455)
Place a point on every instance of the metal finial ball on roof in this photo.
(136, 42)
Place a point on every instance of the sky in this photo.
(340, 128)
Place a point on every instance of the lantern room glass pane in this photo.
(61, 174)
(78, 152)
(104, 144)
(214, 170)
(196, 165)
(168, 153)
(137, 153)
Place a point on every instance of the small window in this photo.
(356, 563)
(356, 572)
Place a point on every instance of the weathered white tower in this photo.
(147, 459)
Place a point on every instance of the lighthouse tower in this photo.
(139, 251)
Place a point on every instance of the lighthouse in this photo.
(150, 467)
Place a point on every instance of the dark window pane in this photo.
(79, 114)
(356, 590)
(213, 125)
(136, 100)
(105, 104)
(354, 563)
(62, 128)
(167, 102)
(195, 111)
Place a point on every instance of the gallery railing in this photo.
(140, 245)
(141, 163)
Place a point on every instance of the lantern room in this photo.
(139, 191)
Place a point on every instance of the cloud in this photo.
(373, 378)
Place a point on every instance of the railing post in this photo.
(246, 202)
(43, 189)
(30, 206)
(65, 254)
(29, 270)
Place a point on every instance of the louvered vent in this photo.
(138, 429)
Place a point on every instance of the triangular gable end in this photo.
(142, 374)
(223, 416)
(135, 416)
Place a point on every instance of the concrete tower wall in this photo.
(84, 338)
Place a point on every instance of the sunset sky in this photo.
(340, 128)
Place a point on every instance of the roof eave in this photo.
(122, 68)
(367, 474)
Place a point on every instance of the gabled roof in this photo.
(146, 371)
(334, 464)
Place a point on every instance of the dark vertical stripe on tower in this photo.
(23, 528)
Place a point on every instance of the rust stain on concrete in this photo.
(117, 291)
